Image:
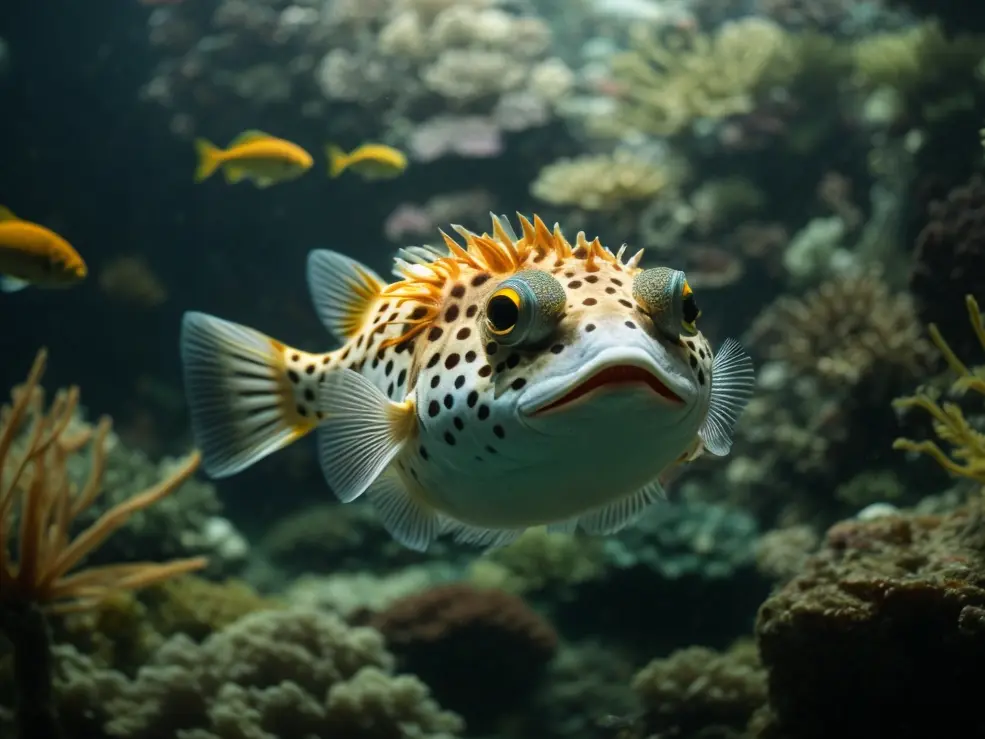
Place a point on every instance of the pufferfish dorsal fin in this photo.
(732, 382)
(6, 214)
(343, 291)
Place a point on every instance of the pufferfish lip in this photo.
(607, 372)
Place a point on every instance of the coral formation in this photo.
(699, 692)
(288, 674)
(482, 651)
(950, 261)
(603, 182)
(967, 458)
(886, 623)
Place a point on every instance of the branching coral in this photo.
(37, 563)
(967, 457)
(603, 182)
(670, 82)
(845, 331)
(36, 495)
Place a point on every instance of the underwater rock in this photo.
(482, 651)
(883, 624)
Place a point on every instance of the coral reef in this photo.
(967, 458)
(699, 692)
(482, 651)
(287, 674)
(886, 622)
(604, 182)
(950, 261)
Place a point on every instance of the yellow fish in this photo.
(253, 155)
(371, 161)
(34, 255)
(501, 383)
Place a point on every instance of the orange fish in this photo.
(253, 155)
(34, 255)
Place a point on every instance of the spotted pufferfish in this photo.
(505, 383)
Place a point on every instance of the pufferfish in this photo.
(505, 383)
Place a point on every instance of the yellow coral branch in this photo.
(967, 458)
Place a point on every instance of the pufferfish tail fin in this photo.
(209, 159)
(249, 394)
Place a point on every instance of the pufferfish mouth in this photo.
(607, 377)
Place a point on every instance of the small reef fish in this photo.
(503, 383)
(253, 155)
(34, 255)
(370, 161)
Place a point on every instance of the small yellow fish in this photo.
(34, 255)
(253, 155)
(371, 161)
(500, 383)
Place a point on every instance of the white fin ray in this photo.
(361, 433)
(342, 290)
(489, 538)
(10, 284)
(422, 255)
(410, 522)
(563, 527)
(732, 381)
(618, 515)
(234, 379)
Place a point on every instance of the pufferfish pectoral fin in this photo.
(618, 515)
(489, 538)
(10, 284)
(361, 434)
(342, 290)
(732, 381)
(412, 523)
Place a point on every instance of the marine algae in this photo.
(967, 453)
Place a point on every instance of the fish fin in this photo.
(504, 223)
(618, 515)
(264, 182)
(338, 160)
(10, 284)
(6, 214)
(239, 393)
(234, 174)
(563, 527)
(489, 538)
(343, 291)
(209, 159)
(410, 522)
(252, 134)
(732, 381)
(362, 432)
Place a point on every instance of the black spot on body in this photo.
(557, 348)
(616, 281)
(589, 328)
(483, 412)
(389, 368)
(701, 377)
(424, 453)
(589, 301)
(309, 395)
(630, 324)
(433, 408)
(491, 348)
(513, 360)
(294, 376)
(463, 333)
(472, 399)
(389, 390)
(485, 370)
(326, 360)
(302, 411)
(480, 279)
(499, 431)
(418, 313)
(501, 367)
(435, 358)
(401, 377)
(694, 362)
(518, 383)
(435, 381)
(592, 279)
(295, 357)
(471, 311)
(458, 291)
(449, 401)
(459, 382)
(610, 290)
(451, 314)
(459, 424)
(625, 303)
(574, 284)
(470, 356)
(449, 438)
(435, 333)
(451, 361)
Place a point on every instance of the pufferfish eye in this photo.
(525, 308)
(669, 301)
